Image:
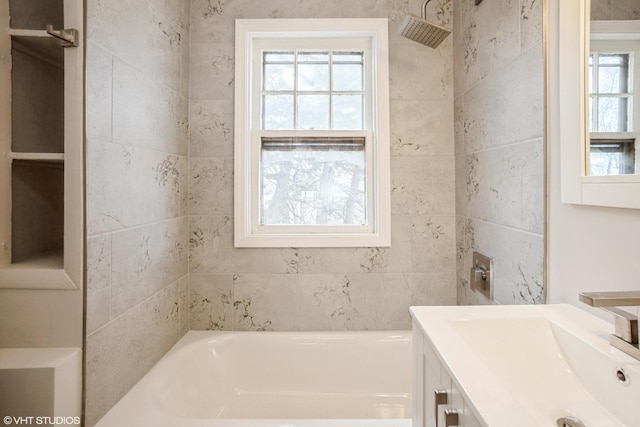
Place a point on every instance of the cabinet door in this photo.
(455, 401)
(466, 418)
(434, 382)
(418, 377)
(430, 376)
(452, 399)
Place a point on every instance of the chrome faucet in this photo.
(625, 337)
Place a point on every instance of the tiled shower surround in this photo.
(137, 111)
(311, 288)
(499, 146)
(615, 10)
(161, 261)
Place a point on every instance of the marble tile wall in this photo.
(137, 111)
(615, 10)
(160, 181)
(499, 147)
(311, 288)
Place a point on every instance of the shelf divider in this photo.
(28, 33)
(38, 156)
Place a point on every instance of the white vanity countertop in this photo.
(498, 358)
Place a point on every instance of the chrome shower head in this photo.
(421, 31)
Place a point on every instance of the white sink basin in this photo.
(531, 365)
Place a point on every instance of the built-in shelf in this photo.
(37, 218)
(47, 260)
(47, 157)
(28, 33)
(36, 14)
(37, 94)
(24, 276)
(41, 149)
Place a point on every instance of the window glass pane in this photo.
(347, 57)
(612, 157)
(277, 112)
(612, 114)
(313, 77)
(313, 184)
(313, 71)
(348, 71)
(347, 112)
(612, 80)
(278, 56)
(613, 58)
(603, 163)
(314, 56)
(313, 112)
(278, 77)
(347, 77)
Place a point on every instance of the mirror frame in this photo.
(569, 33)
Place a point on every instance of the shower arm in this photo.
(424, 9)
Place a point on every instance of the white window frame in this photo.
(251, 36)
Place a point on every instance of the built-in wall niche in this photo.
(37, 104)
(41, 145)
(37, 220)
(36, 14)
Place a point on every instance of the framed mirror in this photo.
(613, 89)
(594, 96)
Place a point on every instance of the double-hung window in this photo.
(614, 116)
(311, 133)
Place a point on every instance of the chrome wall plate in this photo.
(481, 276)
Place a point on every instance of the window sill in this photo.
(300, 240)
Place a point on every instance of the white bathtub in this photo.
(290, 379)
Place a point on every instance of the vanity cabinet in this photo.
(436, 397)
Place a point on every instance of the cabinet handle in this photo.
(441, 398)
(450, 417)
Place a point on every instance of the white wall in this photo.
(590, 248)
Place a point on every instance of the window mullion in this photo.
(295, 89)
(596, 91)
(331, 89)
